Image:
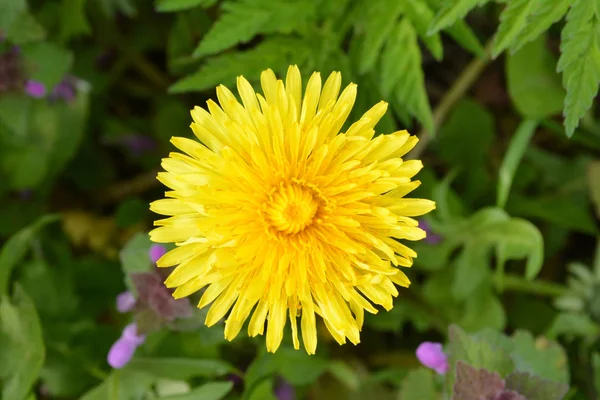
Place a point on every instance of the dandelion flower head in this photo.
(276, 213)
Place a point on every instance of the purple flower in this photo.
(123, 349)
(65, 90)
(156, 252)
(432, 356)
(125, 302)
(35, 89)
(138, 144)
(284, 391)
(431, 238)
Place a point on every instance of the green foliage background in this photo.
(501, 94)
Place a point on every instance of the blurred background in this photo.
(501, 96)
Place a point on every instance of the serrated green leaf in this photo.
(22, 336)
(580, 61)
(410, 91)
(418, 384)
(380, 19)
(464, 35)
(208, 391)
(180, 5)
(533, 84)
(420, 15)
(243, 20)
(540, 357)
(452, 11)
(25, 29)
(180, 368)
(548, 13)
(277, 54)
(512, 159)
(16, 247)
(512, 21)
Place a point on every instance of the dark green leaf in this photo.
(179, 5)
(73, 19)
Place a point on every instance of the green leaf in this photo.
(580, 61)
(512, 21)
(345, 374)
(483, 309)
(471, 270)
(180, 5)
(242, 20)
(21, 345)
(420, 16)
(180, 368)
(381, 17)
(10, 11)
(73, 21)
(131, 211)
(594, 185)
(135, 257)
(464, 35)
(298, 368)
(596, 366)
(419, 384)
(47, 63)
(452, 11)
(410, 91)
(277, 53)
(533, 84)
(25, 29)
(208, 391)
(573, 324)
(540, 357)
(512, 158)
(122, 384)
(16, 247)
(548, 13)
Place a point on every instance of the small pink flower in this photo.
(432, 356)
(130, 333)
(125, 302)
(156, 252)
(35, 89)
(123, 349)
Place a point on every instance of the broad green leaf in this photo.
(410, 91)
(47, 63)
(452, 11)
(483, 310)
(21, 345)
(298, 368)
(419, 384)
(242, 20)
(548, 13)
(73, 21)
(277, 54)
(512, 159)
(25, 29)
(580, 61)
(345, 374)
(135, 257)
(381, 16)
(540, 357)
(513, 20)
(16, 247)
(180, 368)
(10, 11)
(533, 84)
(594, 184)
(121, 384)
(208, 391)
(179, 5)
(420, 15)
(471, 270)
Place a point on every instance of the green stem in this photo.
(542, 288)
(456, 92)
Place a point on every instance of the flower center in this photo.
(291, 208)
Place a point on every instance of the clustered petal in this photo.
(279, 215)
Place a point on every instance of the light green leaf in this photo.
(420, 15)
(73, 20)
(512, 158)
(483, 310)
(381, 17)
(122, 384)
(10, 11)
(242, 20)
(21, 345)
(16, 247)
(512, 21)
(573, 324)
(47, 63)
(548, 13)
(464, 35)
(580, 61)
(277, 53)
(471, 270)
(418, 384)
(25, 29)
(533, 84)
(135, 257)
(452, 11)
(179, 5)
(540, 357)
(298, 368)
(208, 391)
(410, 91)
(180, 368)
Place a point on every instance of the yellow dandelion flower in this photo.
(276, 212)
